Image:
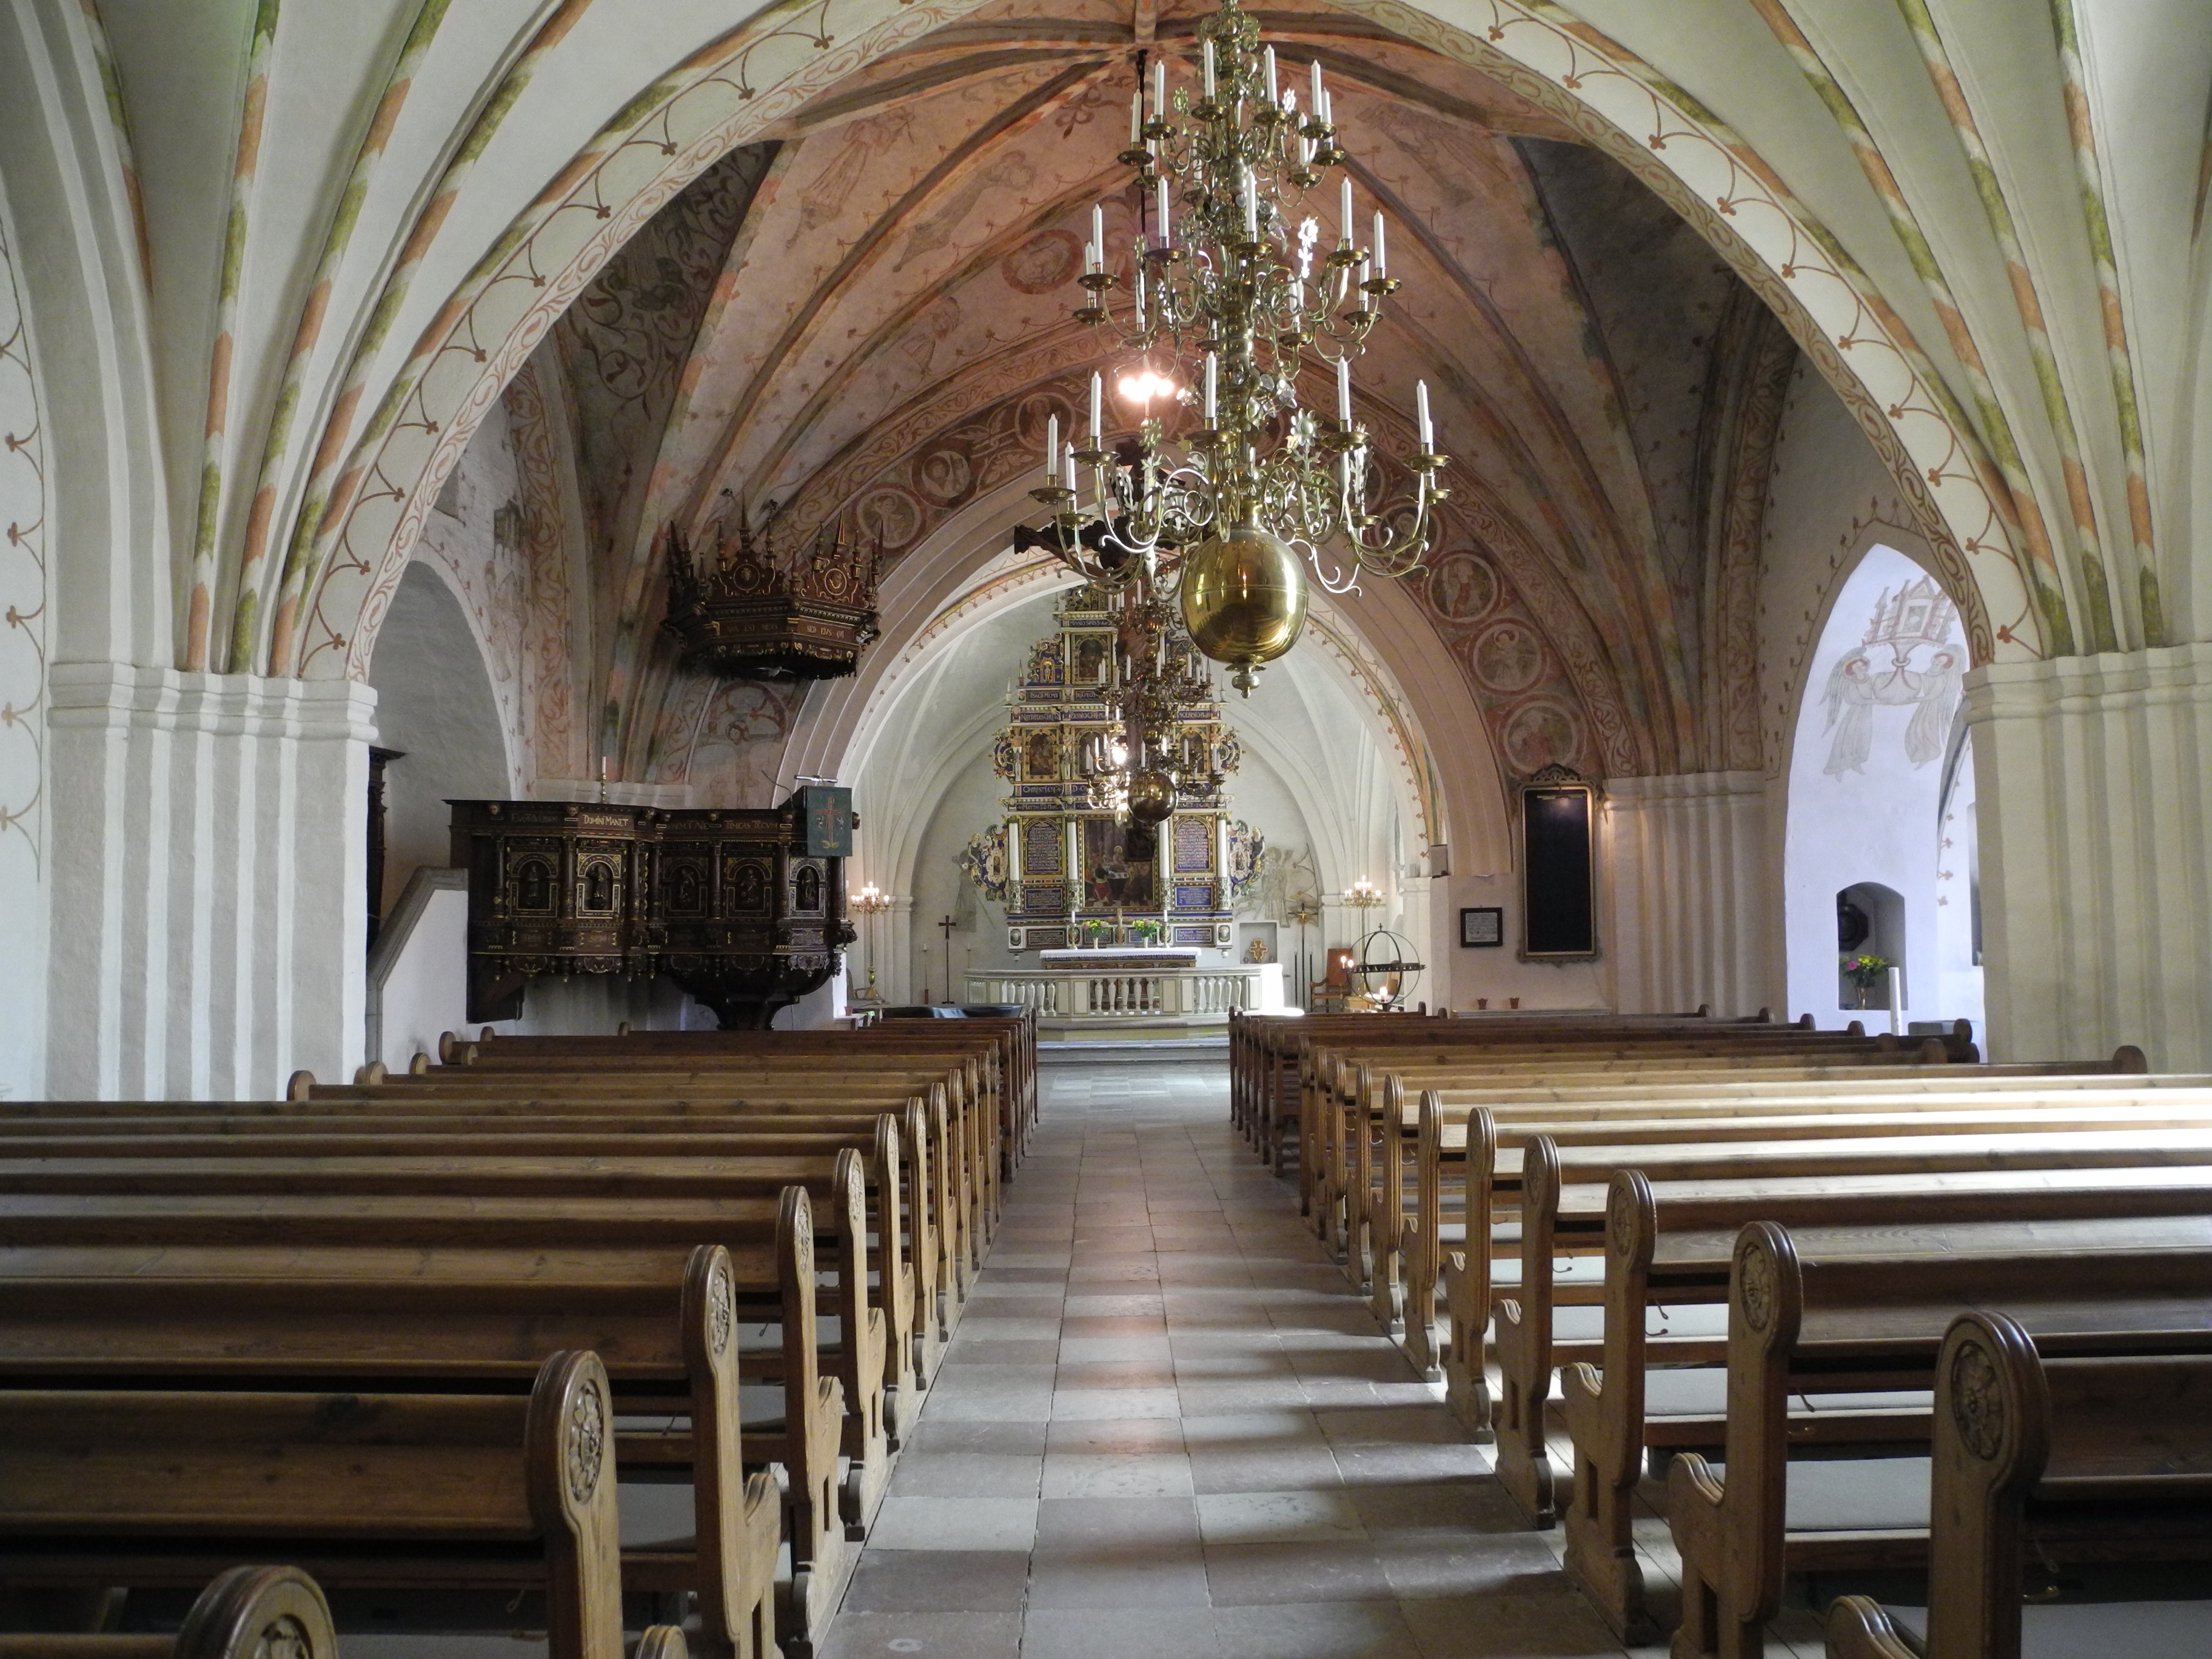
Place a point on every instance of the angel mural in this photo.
(1913, 625)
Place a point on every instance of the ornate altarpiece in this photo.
(745, 910)
(1072, 871)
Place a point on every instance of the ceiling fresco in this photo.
(867, 320)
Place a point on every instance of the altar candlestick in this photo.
(1097, 394)
(1051, 451)
(1206, 60)
(1212, 390)
(1381, 266)
(1344, 393)
(1421, 413)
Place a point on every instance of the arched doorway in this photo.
(1879, 841)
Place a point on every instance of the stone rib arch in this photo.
(695, 114)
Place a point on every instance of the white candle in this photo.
(1297, 294)
(1251, 206)
(1052, 451)
(1098, 228)
(1421, 413)
(1316, 88)
(1344, 212)
(1212, 389)
(1206, 61)
(1362, 277)
(1069, 455)
(1136, 119)
(1382, 264)
(1272, 95)
(1141, 296)
(1159, 89)
(1097, 394)
(1160, 217)
(1328, 109)
(1090, 258)
(1344, 391)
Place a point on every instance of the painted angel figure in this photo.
(1938, 701)
(1849, 700)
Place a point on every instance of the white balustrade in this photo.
(1070, 996)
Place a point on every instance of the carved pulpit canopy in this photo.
(754, 604)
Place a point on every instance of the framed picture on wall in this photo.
(1482, 928)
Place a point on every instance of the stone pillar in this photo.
(209, 882)
(2094, 782)
(1690, 894)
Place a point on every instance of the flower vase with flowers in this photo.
(1865, 972)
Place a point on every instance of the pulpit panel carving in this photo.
(728, 904)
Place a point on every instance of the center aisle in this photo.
(1168, 1430)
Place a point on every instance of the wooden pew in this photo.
(108, 1486)
(337, 1321)
(1368, 1130)
(1858, 1323)
(818, 1423)
(1264, 1051)
(965, 1148)
(1608, 1411)
(972, 1066)
(1571, 1109)
(247, 1613)
(1565, 1209)
(535, 1154)
(2063, 1459)
(1332, 1082)
(1014, 1036)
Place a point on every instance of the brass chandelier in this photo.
(1228, 277)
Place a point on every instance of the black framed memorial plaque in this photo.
(1558, 866)
(1482, 928)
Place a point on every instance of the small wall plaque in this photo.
(1482, 928)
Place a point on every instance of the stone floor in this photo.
(1168, 1429)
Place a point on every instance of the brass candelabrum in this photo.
(1228, 278)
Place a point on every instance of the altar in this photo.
(1132, 992)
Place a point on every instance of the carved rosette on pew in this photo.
(745, 910)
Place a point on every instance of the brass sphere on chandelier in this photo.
(1244, 599)
(1151, 796)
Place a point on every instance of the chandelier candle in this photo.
(1229, 512)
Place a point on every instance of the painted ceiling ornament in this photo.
(1907, 660)
(1228, 282)
(761, 609)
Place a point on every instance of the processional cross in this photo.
(947, 925)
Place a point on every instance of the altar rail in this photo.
(1188, 996)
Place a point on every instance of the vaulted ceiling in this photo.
(867, 318)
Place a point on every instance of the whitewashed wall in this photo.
(25, 850)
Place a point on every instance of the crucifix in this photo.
(947, 925)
